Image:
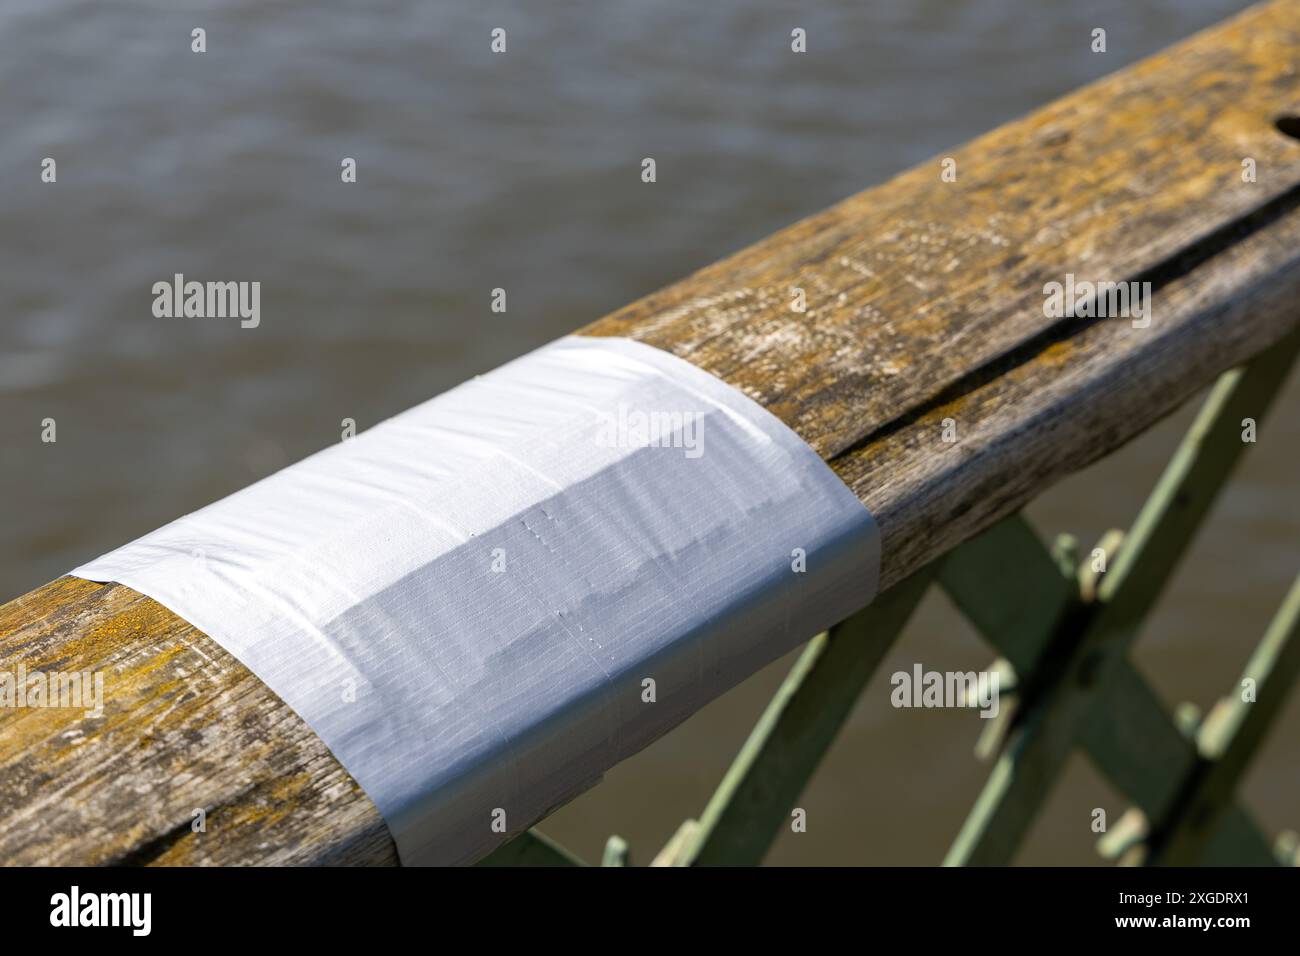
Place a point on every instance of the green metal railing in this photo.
(1063, 631)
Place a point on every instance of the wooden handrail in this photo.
(924, 319)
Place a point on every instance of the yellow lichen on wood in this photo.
(925, 303)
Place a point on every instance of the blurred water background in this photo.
(522, 171)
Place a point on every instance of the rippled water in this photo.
(477, 171)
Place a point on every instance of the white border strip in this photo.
(465, 601)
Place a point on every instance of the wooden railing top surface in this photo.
(924, 304)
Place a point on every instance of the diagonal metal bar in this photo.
(1231, 735)
(1238, 841)
(1011, 589)
(1009, 586)
(1133, 741)
(1097, 635)
(755, 797)
(531, 848)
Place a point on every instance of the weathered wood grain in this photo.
(913, 284)
(185, 727)
(924, 304)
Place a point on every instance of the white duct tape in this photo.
(466, 601)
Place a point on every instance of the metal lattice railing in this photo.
(1062, 629)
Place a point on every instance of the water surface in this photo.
(521, 171)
